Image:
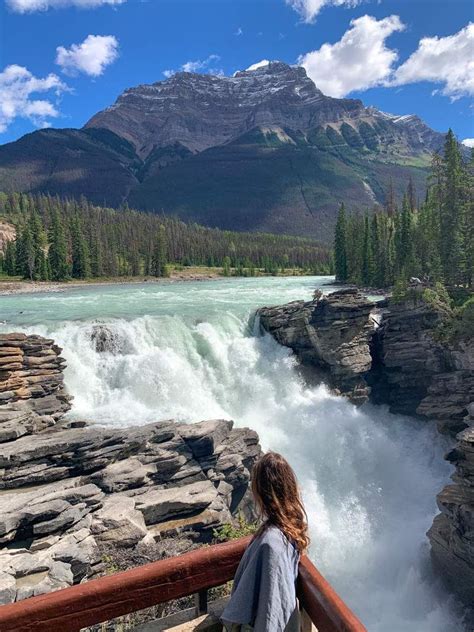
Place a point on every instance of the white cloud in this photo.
(359, 60)
(445, 60)
(17, 85)
(29, 6)
(469, 142)
(309, 9)
(91, 57)
(259, 64)
(203, 65)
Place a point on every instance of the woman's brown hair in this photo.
(276, 492)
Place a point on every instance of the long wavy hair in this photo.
(277, 495)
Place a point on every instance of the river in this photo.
(190, 351)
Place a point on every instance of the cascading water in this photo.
(188, 352)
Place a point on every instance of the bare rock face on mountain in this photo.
(264, 149)
(73, 494)
(202, 111)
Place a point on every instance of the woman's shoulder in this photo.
(274, 538)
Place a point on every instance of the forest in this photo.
(59, 239)
(432, 239)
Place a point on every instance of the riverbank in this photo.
(10, 286)
(7, 287)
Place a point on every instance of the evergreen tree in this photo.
(81, 267)
(452, 212)
(340, 245)
(57, 253)
(9, 264)
(26, 255)
(367, 255)
(160, 254)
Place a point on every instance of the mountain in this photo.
(261, 150)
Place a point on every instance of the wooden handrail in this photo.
(99, 600)
(324, 606)
(115, 595)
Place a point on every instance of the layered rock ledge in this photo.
(384, 350)
(70, 489)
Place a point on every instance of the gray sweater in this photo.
(264, 591)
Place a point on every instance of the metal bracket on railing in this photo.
(201, 602)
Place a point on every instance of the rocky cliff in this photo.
(452, 532)
(332, 334)
(262, 150)
(70, 490)
(391, 352)
(386, 350)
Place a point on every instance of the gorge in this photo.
(139, 354)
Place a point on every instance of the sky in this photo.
(61, 61)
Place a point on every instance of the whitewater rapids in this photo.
(191, 351)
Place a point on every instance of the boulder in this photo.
(330, 333)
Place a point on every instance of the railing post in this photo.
(306, 625)
(201, 602)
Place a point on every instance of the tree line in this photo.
(432, 239)
(58, 239)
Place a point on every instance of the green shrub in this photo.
(234, 531)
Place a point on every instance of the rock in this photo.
(452, 532)
(120, 522)
(31, 369)
(203, 438)
(409, 355)
(7, 588)
(331, 333)
(165, 504)
(107, 341)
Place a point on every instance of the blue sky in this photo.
(52, 72)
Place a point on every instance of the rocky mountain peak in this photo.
(200, 111)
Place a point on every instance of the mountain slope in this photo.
(262, 150)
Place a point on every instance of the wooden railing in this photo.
(99, 600)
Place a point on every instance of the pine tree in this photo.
(340, 245)
(57, 254)
(452, 212)
(367, 255)
(9, 264)
(26, 254)
(81, 268)
(159, 259)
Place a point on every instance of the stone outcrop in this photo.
(387, 350)
(68, 489)
(452, 532)
(32, 394)
(331, 333)
(417, 373)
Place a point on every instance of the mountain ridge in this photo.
(262, 150)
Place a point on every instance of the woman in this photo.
(264, 594)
